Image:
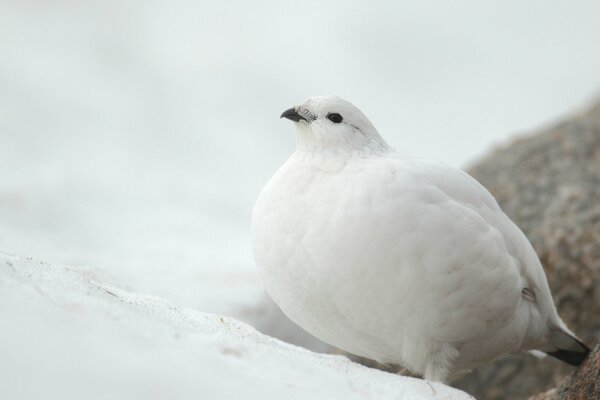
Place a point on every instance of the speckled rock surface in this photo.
(584, 384)
(549, 184)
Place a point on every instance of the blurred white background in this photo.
(136, 135)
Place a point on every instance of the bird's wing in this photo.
(471, 235)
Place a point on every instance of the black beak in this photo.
(292, 115)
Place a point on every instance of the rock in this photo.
(549, 184)
(583, 384)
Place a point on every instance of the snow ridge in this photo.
(65, 333)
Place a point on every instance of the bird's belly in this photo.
(328, 289)
(334, 272)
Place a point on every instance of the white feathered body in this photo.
(399, 259)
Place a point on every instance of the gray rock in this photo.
(585, 383)
(549, 184)
(582, 385)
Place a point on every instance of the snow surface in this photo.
(68, 335)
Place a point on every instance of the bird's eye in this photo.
(335, 118)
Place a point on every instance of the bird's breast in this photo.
(324, 244)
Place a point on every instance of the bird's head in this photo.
(334, 125)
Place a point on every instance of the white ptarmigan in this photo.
(396, 258)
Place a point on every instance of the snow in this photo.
(67, 334)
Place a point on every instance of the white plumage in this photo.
(397, 258)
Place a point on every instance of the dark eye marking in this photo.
(335, 118)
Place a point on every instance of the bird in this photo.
(398, 258)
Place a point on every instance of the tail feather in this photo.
(568, 348)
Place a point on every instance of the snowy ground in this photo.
(110, 343)
(136, 135)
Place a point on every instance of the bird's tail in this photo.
(567, 347)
